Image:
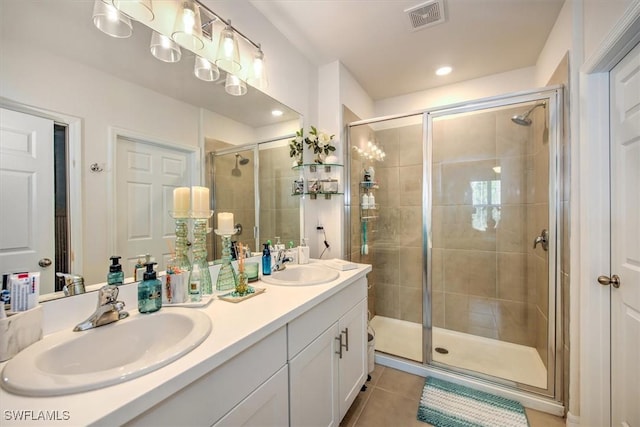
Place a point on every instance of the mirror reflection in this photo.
(109, 98)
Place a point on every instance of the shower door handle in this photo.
(543, 239)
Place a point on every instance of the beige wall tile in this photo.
(511, 231)
(512, 269)
(410, 304)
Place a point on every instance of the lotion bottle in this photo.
(303, 252)
(115, 276)
(195, 284)
(266, 259)
(149, 291)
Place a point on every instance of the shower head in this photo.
(523, 119)
(243, 160)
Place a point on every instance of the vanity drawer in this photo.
(308, 326)
(208, 399)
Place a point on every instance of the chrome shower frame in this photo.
(550, 399)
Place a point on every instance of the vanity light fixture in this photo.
(140, 10)
(205, 70)
(194, 25)
(228, 52)
(443, 71)
(258, 73)
(164, 49)
(111, 21)
(234, 85)
(187, 29)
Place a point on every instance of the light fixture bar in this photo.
(211, 14)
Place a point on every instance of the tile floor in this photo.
(392, 397)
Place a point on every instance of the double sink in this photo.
(70, 362)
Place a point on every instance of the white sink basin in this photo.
(70, 362)
(301, 275)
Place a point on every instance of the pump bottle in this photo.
(149, 291)
(115, 276)
(266, 259)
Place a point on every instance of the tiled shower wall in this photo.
(234, 192)
(279, 209)
(395, 237)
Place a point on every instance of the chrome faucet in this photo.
(281, 258)
(109, 310)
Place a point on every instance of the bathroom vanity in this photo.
(294, 355)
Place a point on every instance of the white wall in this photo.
(497, 84)
(556, 46)
(599, 17)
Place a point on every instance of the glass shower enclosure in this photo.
(463, 237)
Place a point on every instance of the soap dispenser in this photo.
(149, 291)
(115, 276)
(266, 259)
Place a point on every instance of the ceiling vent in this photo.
(426, 14)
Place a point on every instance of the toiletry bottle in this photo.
(137, 268)
(372, 201)
(365, 201)
(195, 281)
(266, 259)
(303, 252)
(115, 276)
(292, 253)
(149, 291)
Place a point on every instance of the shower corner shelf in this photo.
(317, 167)
(373, 185)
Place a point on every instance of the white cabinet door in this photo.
(353, 364)
(313, 382)
(267, 406)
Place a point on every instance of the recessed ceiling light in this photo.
(443, 71)
(277, 113)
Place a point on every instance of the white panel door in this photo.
(625, 240)
(146, 175)
(26, 195)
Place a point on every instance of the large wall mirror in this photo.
(110, 93)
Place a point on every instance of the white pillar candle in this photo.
(225, 223)
(200, 202)
(181, 202)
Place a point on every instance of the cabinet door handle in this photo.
(339, 352)
(346, 334)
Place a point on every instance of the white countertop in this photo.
(235, 327)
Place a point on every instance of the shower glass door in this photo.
(491, 229)
(385, 167)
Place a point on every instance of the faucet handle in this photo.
(107, 294)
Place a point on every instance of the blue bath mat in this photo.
(445, 404)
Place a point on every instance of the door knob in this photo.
(613, 280)
(45, 262)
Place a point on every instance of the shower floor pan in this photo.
(512, 362)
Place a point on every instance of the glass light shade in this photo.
(110, 21)
(258, 72)
(140, 10)
(228, 56)
(187, 29)
(234, 85)
(205, 70)
(164, 49)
